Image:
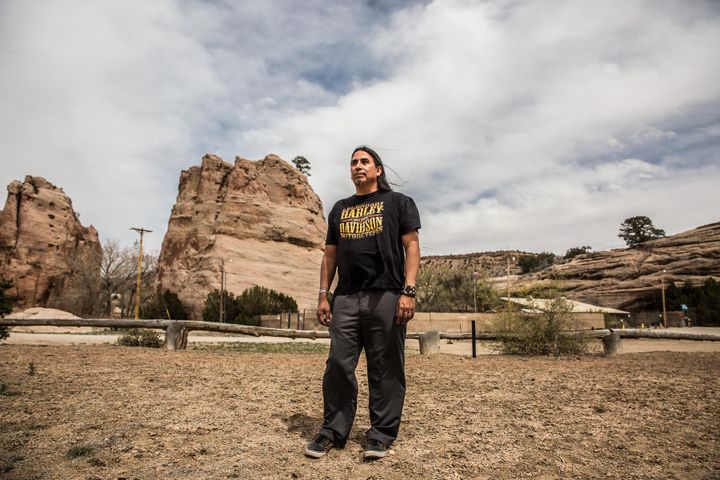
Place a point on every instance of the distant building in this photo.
(588, 315)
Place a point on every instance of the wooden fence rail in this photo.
(176, 330)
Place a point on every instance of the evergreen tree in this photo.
(639, 229)
(534, 262)
(302, 164)
(673, 297)
(703, 301)
(257, 300)
(211, 310)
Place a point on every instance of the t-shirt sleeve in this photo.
(331, 237)
(409, 216)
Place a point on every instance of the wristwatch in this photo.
(408, 290)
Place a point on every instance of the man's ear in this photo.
(379, 169)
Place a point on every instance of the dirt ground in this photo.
(109, 412)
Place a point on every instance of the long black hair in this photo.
(382, 180)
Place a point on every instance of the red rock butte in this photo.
(40, 235)
(261, 218)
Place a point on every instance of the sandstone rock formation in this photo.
(487, 264)
(627, 278)
(261, 218)
(39, 236)
(624, 278)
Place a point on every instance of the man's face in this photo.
(363, 170)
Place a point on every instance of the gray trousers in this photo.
(365, 320)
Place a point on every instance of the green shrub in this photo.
(575, 251)
(165, 305)
(141, 337)
(211, 310)
(257, 300)
(533, 262)
(248, 306)
(551, 332)
(703, 301)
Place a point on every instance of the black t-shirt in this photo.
(367, 230)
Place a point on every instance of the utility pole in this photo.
(508, 278)
(662, 283)
(222, 291)
(138, 290)
(475, 276)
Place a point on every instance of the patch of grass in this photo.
(141, 337)
(6, 392)
(246, 347)
(31, 369)
(197, 452)
(80, 451)
(96, 462)
(7, 464)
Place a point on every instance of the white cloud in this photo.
(530, 125)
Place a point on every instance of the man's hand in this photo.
(323, 311)
(405, 309)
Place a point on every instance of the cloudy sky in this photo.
(514, 124)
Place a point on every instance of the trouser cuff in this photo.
(337, 441)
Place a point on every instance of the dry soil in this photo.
(109, 412)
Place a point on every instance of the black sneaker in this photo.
(375, 449)
(319, 446)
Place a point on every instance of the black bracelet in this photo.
(408, 290)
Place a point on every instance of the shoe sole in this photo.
(373, 455)
(314, 454)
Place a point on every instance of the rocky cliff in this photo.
(487, 264)
(624, 278)
(628, 278)
(261, 219)
(40, 235)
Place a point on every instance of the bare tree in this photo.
(448, 289)
(79, 292)
(116, 272)
(96, 276)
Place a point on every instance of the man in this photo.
(372, 242)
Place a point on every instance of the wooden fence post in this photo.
(429, 343)
(611, 343)
(176, 336)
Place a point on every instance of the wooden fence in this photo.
(176, 331)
